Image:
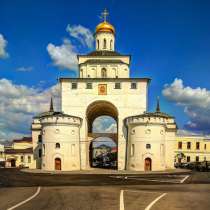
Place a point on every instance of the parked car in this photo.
(204, 166)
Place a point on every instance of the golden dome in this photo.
(105, 27)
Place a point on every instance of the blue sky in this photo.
(167, 39)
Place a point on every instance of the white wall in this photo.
(128, 102)
(113, 71)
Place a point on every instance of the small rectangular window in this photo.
(197, 158)
(73, 149)
(21, 159)
(179, 145)
(188, 145)
(133, 85)
(132, 149)
(198, 145)
(162, 150)
(188, 158)
(40, 138)
(117, 85)
(73, 85)
(43, 149)
(89, 85)
(148, 146)
(29, 159)
(205, 146)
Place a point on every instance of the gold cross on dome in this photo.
(104, 14)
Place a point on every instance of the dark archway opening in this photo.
(13, 163)
(103, 153)
(148, 164)
(57, 164)
(102, 123)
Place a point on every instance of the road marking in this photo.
(140, 191)
(176, 181)
(122, 207)
(25, 201)
(185, 178)
(155, 180)
(154, 201)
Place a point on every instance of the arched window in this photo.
(57, 146)
(40, 138)
(103, 73)
(111, 45)
(104, 44)
(97, 44)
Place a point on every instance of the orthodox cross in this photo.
(104, 14)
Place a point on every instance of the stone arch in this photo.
(99, 108)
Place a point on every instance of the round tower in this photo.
(60, 142)
(151, 140)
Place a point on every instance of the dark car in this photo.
(204, 166)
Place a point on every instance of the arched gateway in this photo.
(94, 110)
(104, 88)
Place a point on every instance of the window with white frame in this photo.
(133, 85)
(117, 85)
(57, 145)
(29, 159)
(73, 85)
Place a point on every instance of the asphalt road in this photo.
(104, 192)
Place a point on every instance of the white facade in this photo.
(104, 87)
(126, 101)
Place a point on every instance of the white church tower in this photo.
(104, 88)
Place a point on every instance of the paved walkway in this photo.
(106, 171)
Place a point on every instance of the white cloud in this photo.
(25, 69)
(104, 124)
(186, 132)
(196, 103)
(3, 44)
(19, 104)
(63, 56)
(83, 34)
(112, 128)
